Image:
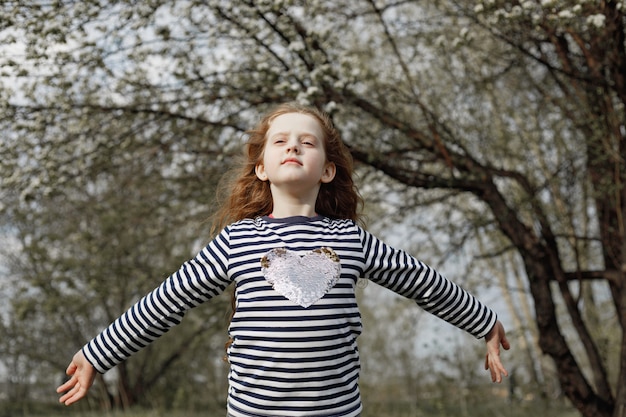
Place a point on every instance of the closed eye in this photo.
(308, 140)
(278, 139)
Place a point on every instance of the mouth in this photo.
(291, 161)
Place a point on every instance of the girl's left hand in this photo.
(494, 339)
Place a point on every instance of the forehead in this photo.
(300, 123)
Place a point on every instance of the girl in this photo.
(290, 243)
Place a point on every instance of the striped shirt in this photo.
(294, 350)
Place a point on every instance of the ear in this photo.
(260, 172)
(329, 172)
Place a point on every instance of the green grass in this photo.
(488, 408)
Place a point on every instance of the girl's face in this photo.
(294, 157)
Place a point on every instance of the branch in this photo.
(610, 274)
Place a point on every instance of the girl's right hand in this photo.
(82, 375)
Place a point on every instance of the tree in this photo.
(89, 249)
(508, 115)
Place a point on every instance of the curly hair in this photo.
(249, 197)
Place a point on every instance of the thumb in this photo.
(505, 343)
(71, 369)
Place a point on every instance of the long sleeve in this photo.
(400, 272)
(197, 280)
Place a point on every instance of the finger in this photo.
(487, 362)
(64, 398)
(71, 369)
(497, 370)
(74, 398)
(73, 395)
(500, 372)
(495, 375)
(68, 394)
(68, 399)
(67, 385)
(492, 371)
(505, 343)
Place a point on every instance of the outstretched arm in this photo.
(494, 339)
(82, 374)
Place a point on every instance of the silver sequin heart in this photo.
(303, 279)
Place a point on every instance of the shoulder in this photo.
(339, 223)
(345, 226)
(243, 224)
(244, 227)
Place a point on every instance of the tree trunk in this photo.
(620, 395)
(541, 271)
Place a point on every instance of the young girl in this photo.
(291, 245)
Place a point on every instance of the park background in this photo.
(489, 142)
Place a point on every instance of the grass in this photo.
(488, 408)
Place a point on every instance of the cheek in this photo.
(273, 154)
(262, 156)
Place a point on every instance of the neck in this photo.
(288, 205)
(281, 212)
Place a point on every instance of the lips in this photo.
(291, 161)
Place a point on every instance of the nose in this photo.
(293, 146)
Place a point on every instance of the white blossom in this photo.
(339, 84)
(330, 107)
(312, 90)
(303, 99)
(516, 11)
(597, 20)
(296, 46)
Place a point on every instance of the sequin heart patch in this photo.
(303, 279)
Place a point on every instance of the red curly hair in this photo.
(249, 197)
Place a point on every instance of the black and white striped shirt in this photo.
(294, 350)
